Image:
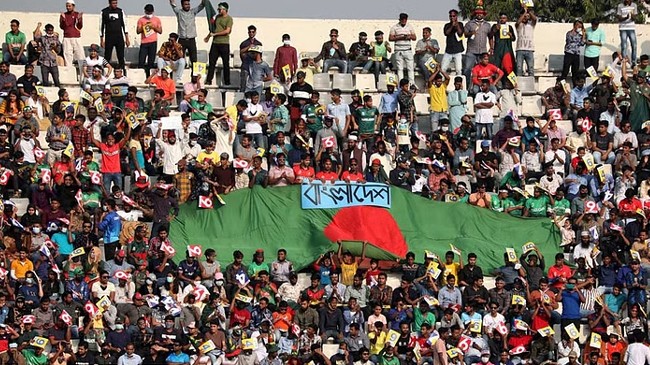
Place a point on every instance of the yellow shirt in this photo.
(214, 156)
(449, 269)
(20, 269)
(438, 98)
(375, 348)
(347, 272)
(232, 113)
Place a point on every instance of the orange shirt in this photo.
(328, 176)
(20, 268)
(168, 86)
(302, 173)
(357, 176)
(282, 321)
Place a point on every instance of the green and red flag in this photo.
(273, 218)
(212, 16)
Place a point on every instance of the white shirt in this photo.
(97, 288)
(172, 153)
(620, 138)
(27, 147)
(557, 165)
(253, 110)
(131, 216)
(484, 116)
(580, 251)
(490, 322)
(624, 10)
(386, 161)
(398, 29)
(637, 354)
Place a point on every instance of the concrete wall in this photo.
(308, 35)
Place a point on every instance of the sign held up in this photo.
(340, 194)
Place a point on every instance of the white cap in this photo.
(70, 2)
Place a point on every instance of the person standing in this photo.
(525, 41)
(477, 33)
(626, 12)
(248, 58)
(453, 46)
(71, 23)
(113, 33)
(574, 40)
(186, 18)
(285, 55)
(594, 42)
(402, 34)
(220, 44)
(149, 26)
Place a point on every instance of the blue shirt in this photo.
(61, 239)
(570, 305)
(388, 103)
(181, 358)
(111, 225)
(578, 95)
(614, 302)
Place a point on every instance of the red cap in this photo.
(121, 253)
(376, 162)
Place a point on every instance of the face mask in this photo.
(119, 327)
(192, 143)
(149, 282)
(105, 209)
(570, 286)
(170, 279)
(169, 325)
(219, 282)
(485, 359)
(286, 42)
(29, 281)
(64, 230)
(148, 16)
(197, 283)
(341, 352)
(36, 230)
(444, 129)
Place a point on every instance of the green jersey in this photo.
(366, 119)
(561, 207)
(310, 112)
(510, 202)
(537, 206)
(498, 205)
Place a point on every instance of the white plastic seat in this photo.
(322, 81)
(343, 82)
(365, 82)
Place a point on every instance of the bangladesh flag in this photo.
(212, 16)
(272, 218)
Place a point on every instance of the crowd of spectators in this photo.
(88, 274)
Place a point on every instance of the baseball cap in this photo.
(485, 143)
(121, 253)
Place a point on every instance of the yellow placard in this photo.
(572, 331)
(249, 343)
(589, 161)
(635, 255)
(455, 249)
(527, 3)
(103, 302)
(39, 342)
(518, 300)
(391, 79)
(286, 71)
(40, 90)
(99, 105)
(141, 116)
(565, 86)
(591, 71)
(276, 88)
(392, 337)
(546, 331)
(608, 71)
(147, 29)
(512, 78)
(596, 341)
(527, 247)
(431, 64)
(69, 150)
(512, 255)
(504, 31)
(453, 352)
(476, 326)
(207, 346)
(601, 172)
(431, 301)
(199, 68)
(85, 96)
(132, 120)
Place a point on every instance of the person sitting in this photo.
(171, 55)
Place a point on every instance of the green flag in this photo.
(212, 16)
(273, 218)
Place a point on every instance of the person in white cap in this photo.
(71, 22)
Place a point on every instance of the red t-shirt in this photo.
(302, 173)
(328, 176)
(241, 316)
(110, 158)
(357, 176)
(630, 205)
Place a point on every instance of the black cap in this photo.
(363, 34)
(403, 16)
(49, 26)
(148, 8)
(378, 33)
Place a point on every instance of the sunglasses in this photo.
(334, 35)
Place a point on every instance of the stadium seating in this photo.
(322, 81)
(365, 82)
(68, 75)
(343, 82)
